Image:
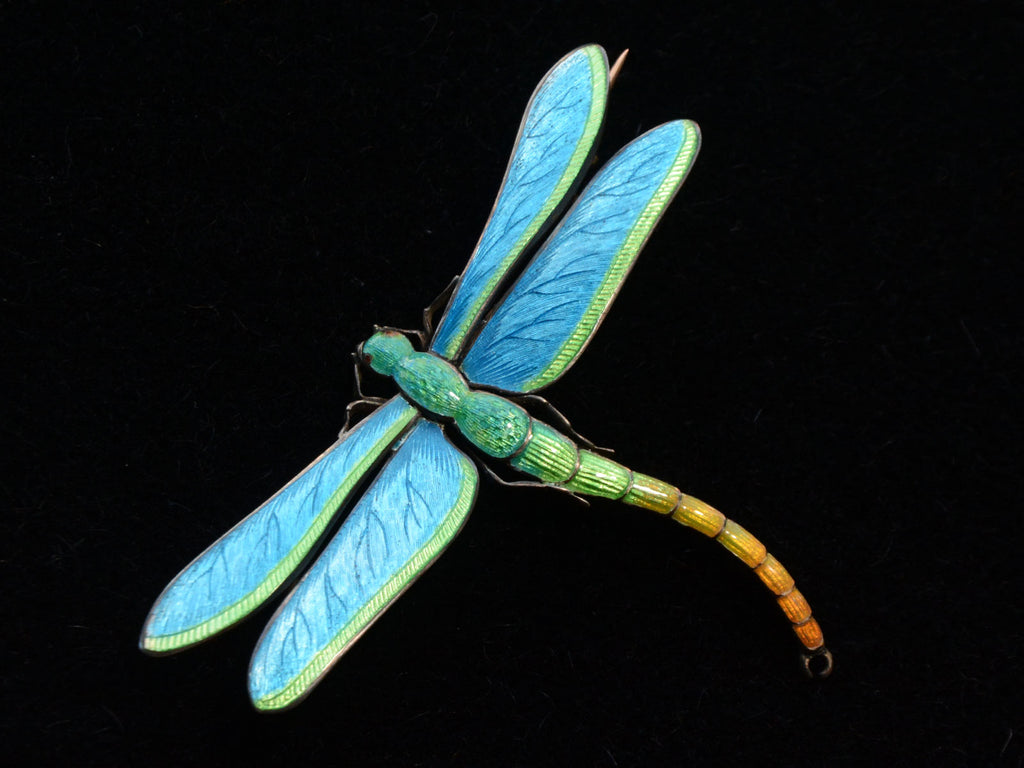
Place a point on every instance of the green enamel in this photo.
(651, 493)
(493, 424)
(599, 476)
(549, 455)
(384, 350)
(433, 383)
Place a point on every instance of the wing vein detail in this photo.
(243, 568)
(546, 319)
(555, 139)
(405, 519)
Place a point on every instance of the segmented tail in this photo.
(734, 537)
(600, 476)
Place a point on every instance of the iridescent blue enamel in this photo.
(412, 510)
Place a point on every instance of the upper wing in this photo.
(402, 523)
(243, 567)
(546, 319)
(555, 139)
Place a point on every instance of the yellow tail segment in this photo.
(697, 514)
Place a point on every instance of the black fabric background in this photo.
(205, 211)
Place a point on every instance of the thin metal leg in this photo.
(372, 403)
(436, 304)
(530, 484)
(537, 400)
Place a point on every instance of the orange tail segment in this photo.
(654, 494)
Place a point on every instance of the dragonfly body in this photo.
(503, 429)
(407, 487)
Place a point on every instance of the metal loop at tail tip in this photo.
(817, 671)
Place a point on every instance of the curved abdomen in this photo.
(554, 458)
(504, 430)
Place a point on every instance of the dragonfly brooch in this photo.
(504, 335)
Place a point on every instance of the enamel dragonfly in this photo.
(508, 330)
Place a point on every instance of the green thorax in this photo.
(496, 426)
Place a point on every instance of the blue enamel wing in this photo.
(408, 487)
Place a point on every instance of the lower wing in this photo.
(405, 519)
(245, 566)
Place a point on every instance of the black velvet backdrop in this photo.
(205, 211)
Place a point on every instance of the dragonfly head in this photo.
(383, 350)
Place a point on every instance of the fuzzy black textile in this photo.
(205, 210)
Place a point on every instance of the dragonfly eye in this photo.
(383, 350)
